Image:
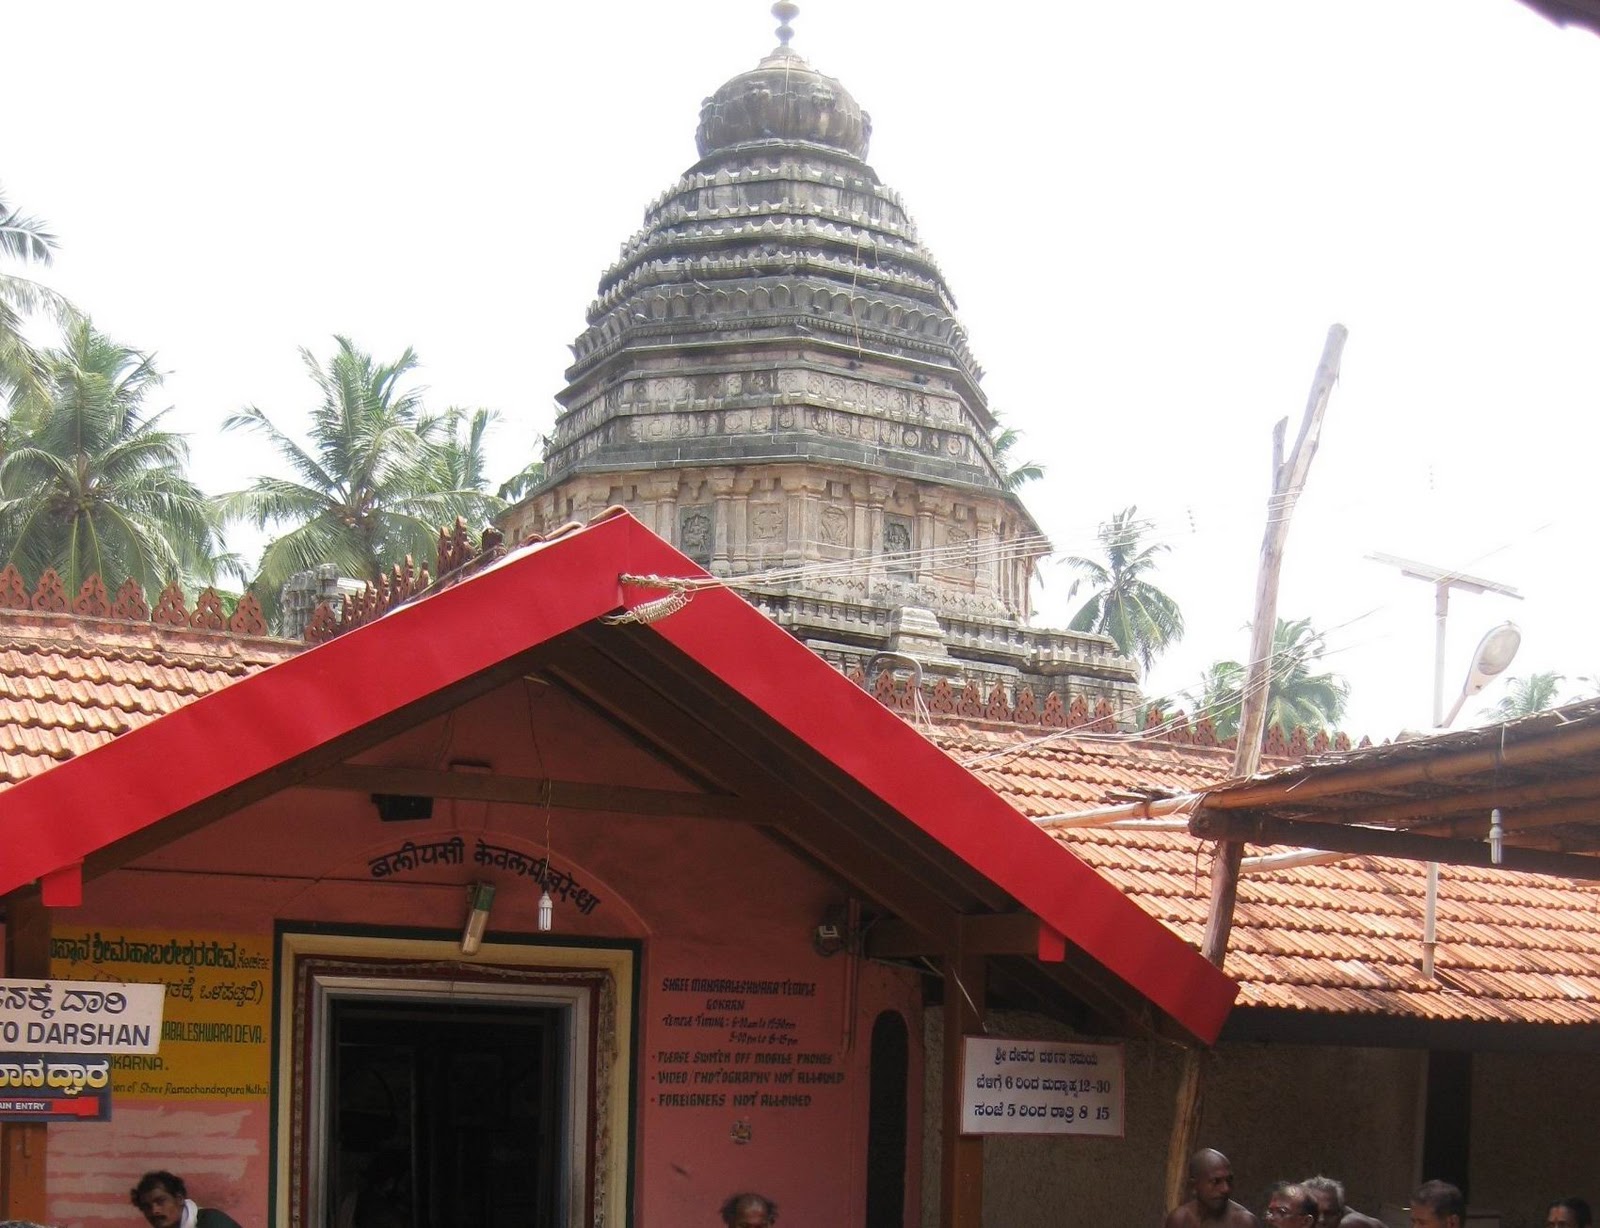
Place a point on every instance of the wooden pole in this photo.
(1288, 480)
(22, 1144)
(1366, 841)
(961, 1168)
(1561, 742)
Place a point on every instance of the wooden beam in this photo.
(1018, 933)
(1406, 846)
(1326, 784)
(529, 791)
(1429, 809)
(1288, 481)
(961, 1158)
(810, 783)
(23, 1145)
(829, 839)
(1515, 821)
(297, 771)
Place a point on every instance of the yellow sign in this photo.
(216, 1031)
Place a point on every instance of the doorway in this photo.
(445, 1114)
(557, 1021)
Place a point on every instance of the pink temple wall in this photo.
(730, 984)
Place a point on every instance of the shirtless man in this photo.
(1331, 1209)
(1211, 1177)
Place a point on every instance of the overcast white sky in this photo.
(1149, 214)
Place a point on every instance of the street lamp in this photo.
(1495, 652)
(1443, 580)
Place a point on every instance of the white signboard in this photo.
(1040, 1087)
(80, 1016)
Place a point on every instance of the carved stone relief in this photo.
(766, 523)
(897, 545)
(694, 533)
(835, 525)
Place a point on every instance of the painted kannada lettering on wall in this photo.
(1041, 1087)
(452, 852)
(745, 1043)
(216, 1028)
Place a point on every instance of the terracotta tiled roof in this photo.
(79, 671)
(70, 682)
(1344, 938)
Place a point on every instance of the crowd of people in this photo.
(1315, 1202)
(1318, 1202)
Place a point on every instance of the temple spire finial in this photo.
(785, 11)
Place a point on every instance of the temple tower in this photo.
(774, 379)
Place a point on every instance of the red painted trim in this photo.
(778, 674)
(291, 709)
(1052, 946)
(62, 888)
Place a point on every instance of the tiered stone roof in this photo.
(773, 377)
(781, 233)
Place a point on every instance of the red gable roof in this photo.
(291, 720)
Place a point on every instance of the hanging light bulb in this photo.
(547, 909)
(1497, 833)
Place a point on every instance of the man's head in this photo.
(1291, 1205)
(749, 1211)
(159, 1197)
(1212, 1178)
(1438, 1204)
(1563, 1213)
(1330, 1200)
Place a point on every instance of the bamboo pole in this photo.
(1288, 480)
(1574, 739)
(1404, 846)
(1435, 809)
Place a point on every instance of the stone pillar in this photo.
(925, 569)
(809, 530)
(987, 567)
(664, 493)
(722, 494)
(739, 525)
(794, 521)
(877, 495)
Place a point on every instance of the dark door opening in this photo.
(886, 1122)
(445, 1115)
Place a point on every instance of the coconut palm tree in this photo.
(1142, 619)
(22, 370)
(516, 487)
(1012, 474)
(94, 484)
(1526, 696)
(1295, 695)
(375, 481)
(459, 438)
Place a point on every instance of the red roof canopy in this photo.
(715, 683)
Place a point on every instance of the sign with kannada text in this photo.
(217, 1032)
(1040, 1087)
(87, 1016)
(54, 1087)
